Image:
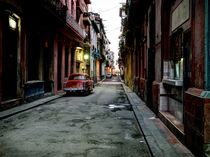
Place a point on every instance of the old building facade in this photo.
(164, 55)
(99, 48)
(37, 47)
(41, 46)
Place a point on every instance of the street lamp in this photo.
(86, 56)
(12, 23)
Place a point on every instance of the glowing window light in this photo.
(12, 23)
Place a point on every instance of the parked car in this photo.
(109, 75)
(80, 83)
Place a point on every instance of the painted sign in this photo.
(181, 14)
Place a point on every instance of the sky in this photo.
(109, 12)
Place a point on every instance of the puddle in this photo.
(118, 107)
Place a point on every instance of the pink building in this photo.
(37, 47)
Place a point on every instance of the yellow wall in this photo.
(80, 54)
(80, 59)
(128, 80)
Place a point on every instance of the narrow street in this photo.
(101, 124)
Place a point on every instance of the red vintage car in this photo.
(78, 83)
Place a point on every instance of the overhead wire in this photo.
(113, 29)
(109, 9)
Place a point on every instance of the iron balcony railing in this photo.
(57, 6)
(61, 10)
(71, 21)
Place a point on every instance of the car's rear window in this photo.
(77, 77)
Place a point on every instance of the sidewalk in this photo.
(161, 142)
(24, 107)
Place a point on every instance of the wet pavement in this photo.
(101, 124)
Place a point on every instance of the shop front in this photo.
(176, 68)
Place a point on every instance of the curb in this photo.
(137, 119)
(24, 107)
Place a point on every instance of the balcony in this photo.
(86, 19)
(59, 10)
(75, 26)
(58, 7)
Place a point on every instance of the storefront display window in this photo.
(177, 54)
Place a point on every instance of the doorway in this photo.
(77, 67)
(9, 57)
(47, 66)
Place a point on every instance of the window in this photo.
(77, 77)
(177, 54)
(179, 69)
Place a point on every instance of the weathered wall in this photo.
(23, 60)
(158, 33)
(69, 59)
(128, 64)
(55, 65)
(197, 122)
(207, 127)
(198, 44)
(193, 122)
(196, 119)
(63, 65)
